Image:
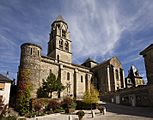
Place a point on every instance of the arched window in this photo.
(68, 76)
(61, 44)
(67, 46)
(63, 33)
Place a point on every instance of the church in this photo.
(107, 76)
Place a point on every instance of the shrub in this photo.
(68, 103)
(9, 118)
(3, 108)
(38, 107)
(80, 114)
(101, 108)
(54, 104)
(91, 96)
(43, 101)
(30, 114)
(81, 105)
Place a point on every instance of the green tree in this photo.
(23, 93)
(91, 96)
(49, 85)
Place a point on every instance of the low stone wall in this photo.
(139, 96)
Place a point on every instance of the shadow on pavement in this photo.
(129, 110)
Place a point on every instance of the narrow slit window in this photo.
(68, 76)
(67, 46)
(81, 78)
(31, 51)
(38, 53)
(58, 58)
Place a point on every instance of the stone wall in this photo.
(139, 96)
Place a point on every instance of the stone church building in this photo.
(107, 76)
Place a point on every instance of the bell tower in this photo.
(59, 45)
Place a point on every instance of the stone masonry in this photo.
(107, 76)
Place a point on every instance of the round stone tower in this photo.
(30, 60)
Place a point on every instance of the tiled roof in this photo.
(4, 79)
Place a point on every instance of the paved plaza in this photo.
(114, 112)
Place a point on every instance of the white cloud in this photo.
(97, 27)
(94, 30)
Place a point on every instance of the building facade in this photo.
(136, 92)
(108, 76)
(5, 86)
(134, 79)
(148, 59)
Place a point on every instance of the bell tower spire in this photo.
(59, 45)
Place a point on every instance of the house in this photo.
(5, 85)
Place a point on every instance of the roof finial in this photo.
(59, 18)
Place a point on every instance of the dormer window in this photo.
(61, 44)
(67, 46)
(63, 33)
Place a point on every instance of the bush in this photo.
(33, 114)
(53, 104)
(80, 114)
(42, 101)
(85, 106)
(9, 118)
(68, 103)
(30, 114)
(38, 107)
(101, 108)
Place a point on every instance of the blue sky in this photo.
(99, 29)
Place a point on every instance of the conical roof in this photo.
(59, 18)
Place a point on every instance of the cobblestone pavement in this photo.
(114, 112)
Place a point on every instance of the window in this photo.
(31, 51)
(57, 58)
(117, 77)
(63, 33)
(81, 78)
(67, 46)
(58, 26)
(38, 53)
(50, 71)
(68, 76)
(61, 44)
(2, 85)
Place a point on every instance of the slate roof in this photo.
(4, 79)
(146, 49)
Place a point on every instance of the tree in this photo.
(91, 96)
(23, 93)
(3, 108)
(49, 85)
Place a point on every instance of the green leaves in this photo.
(23, 94)
(91, 96)
(50, 85)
